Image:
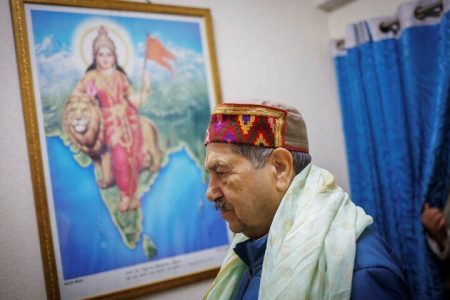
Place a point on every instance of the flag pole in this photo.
(141, 95)
(147, 36)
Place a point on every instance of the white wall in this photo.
(266, 49)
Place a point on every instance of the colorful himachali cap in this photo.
(264, 124)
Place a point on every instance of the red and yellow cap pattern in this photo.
(250, 124)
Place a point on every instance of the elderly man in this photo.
(298, 235)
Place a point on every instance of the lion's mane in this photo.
(82, 122)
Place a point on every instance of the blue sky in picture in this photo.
(62, 26)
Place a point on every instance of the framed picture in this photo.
(116, 99)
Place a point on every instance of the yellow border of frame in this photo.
(32, 134)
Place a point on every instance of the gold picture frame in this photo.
(105, 232)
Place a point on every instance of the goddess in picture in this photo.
(101, 117)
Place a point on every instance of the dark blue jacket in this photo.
(377, 273)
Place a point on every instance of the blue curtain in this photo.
(394, 89)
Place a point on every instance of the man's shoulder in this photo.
(373, 252)
(377, 273)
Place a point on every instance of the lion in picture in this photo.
(84, 125)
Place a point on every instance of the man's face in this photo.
(248, 194)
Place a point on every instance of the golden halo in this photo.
(84, 38)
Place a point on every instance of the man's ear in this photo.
(282, 162)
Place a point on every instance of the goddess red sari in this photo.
(122, 134)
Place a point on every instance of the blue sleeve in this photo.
(378, 283)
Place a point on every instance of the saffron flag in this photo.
(157, 52)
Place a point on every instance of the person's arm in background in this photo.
(438, 231)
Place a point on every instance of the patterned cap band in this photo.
(250, 124)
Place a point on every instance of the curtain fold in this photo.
(394, 89)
